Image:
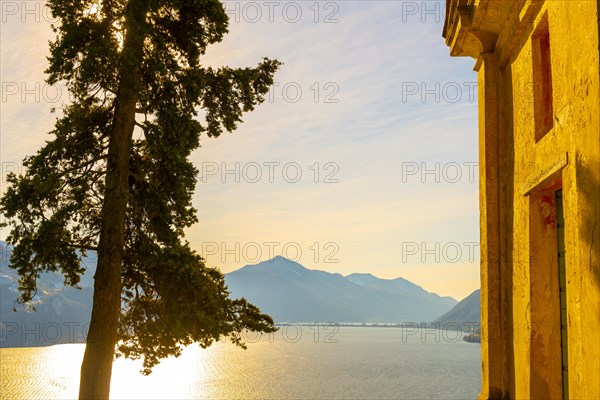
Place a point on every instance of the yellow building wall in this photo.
(520, 336)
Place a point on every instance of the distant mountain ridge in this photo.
(282, 288)
(467, 311)
(394, 285)
(290, 292)
(61, 315)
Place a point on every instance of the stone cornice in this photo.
(473, 27)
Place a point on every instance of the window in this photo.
(542, 80)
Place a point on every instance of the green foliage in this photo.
(169, 297)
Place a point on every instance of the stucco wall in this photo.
(519, 175)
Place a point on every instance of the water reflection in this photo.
(53, 373)
(362, 363)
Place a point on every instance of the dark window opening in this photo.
(542, 80)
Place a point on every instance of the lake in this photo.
(316, 362)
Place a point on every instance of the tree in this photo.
(132, 65)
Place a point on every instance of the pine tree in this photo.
(132, 66)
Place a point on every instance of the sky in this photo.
(363, 158)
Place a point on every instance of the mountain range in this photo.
(282, 288)
(57, 314)
(290, 292)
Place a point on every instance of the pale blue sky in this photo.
(371, 128)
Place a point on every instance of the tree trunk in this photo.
(96, 368)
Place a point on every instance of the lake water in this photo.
(295, 362)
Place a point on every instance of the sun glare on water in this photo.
(53, 373)
(170, 379)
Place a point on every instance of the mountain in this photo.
(290, 292)
(61, 315)
(398, 285)
(466, 311)
(282, 288)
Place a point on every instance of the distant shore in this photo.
(457, 326)
(472, 330)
